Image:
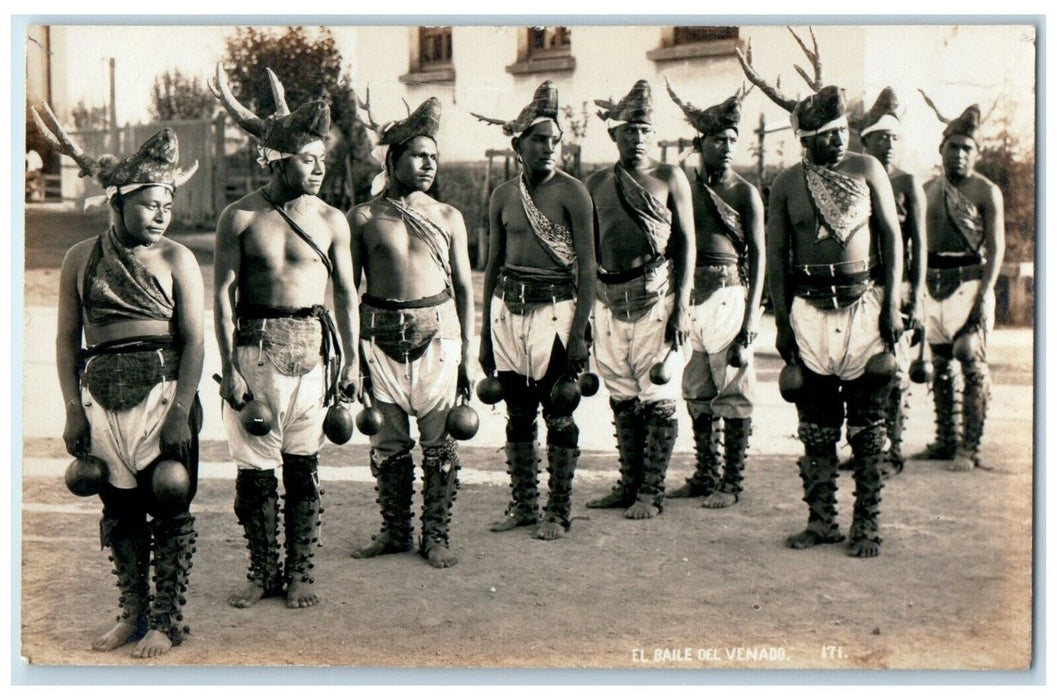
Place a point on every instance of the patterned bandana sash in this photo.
(842, 203)
(123, 286)
(556, 240)
(650, 214)
(435, 238)
(965, 216)
(728, 216)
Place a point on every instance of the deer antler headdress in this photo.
(725, 115)
(282, 134)
(424, 121)
(967, 124)
(544, 106)
(153, 164)
(636, 106)
(883, 115)
(823, 110)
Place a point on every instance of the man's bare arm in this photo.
(189, 294)
(227, 261)
(346, 300)
(496, 257)
(752, 219)
(994, 239)
(686, 245)
(70, 327)
(778, 242)
(885, 223)
(462, 283)
(916, 228)
(581, 215)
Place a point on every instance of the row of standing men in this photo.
(637, 262)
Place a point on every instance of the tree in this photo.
(309, 66)
(1011, 166)
(173, 96)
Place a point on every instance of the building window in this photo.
(543, 50)
(430, 56)
(434, 47)
(696, 42)
(544, 41)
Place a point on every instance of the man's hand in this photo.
(578, 353)
(891, 326)
(349, 381)
(678, 329)
(234, 389)
(785, 343)
(747, 335)
(486, 356)
(175, 431)
(465, 381)
(77, 434)
(914, 320)
(977, 317)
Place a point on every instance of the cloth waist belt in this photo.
(628, 275)
(120, 373)
(939, 261)
(292, 350)
(943, 282)
(709, 278)
(397, 304)
(712, 258)
(523, 292)
(404, 333)
(834, 291)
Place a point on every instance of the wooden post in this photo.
(220, 165)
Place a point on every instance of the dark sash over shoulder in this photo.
(302, 234)
(728, 217)
(841, 202)
(964, 216)
(118, 287)
(436, 239)
(555, 239)
(650, 214)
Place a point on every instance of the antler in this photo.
(607, 107)
(371, 122)
(932, 104)
(990, 111)
(488, 120)
(182, 176)
(406, 106)
(743, 91)
(58, 139)
(771, 91)
(245, 118)
(816, 61)
(278, 93)
(685, 106)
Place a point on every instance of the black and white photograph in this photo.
(596, 346)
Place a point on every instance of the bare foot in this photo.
(864, 548)
(154, 644)
(440, 557)
(614, 499)
(720, 499)
(809, 538)
(513, 520)
(120, 634)
(962, 462)
(246, 596)
(548, 530)
(641, 511)
(383, 544)
(688, 490)
(299, 594)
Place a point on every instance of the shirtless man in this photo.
(131, 395)
(541, 273)
(879, 132)
(966, 242)
(275, 250)
(417, 328)
(643, 296)
(719, 382)
(835, 264)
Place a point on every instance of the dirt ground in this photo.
(691, 589)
